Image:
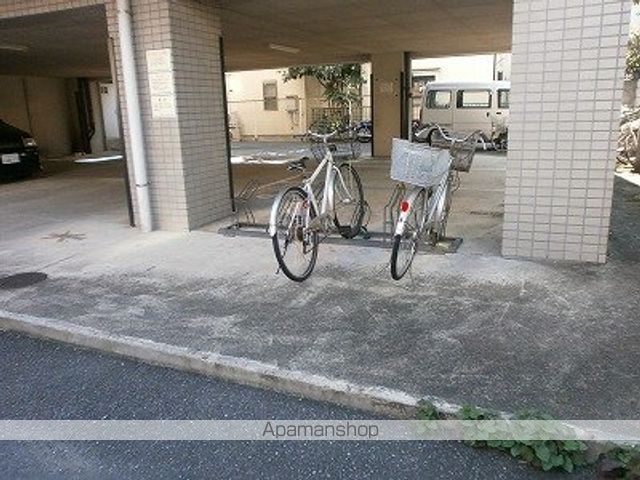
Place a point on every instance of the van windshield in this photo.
(439, 99)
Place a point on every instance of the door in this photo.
(109, 101)
(473, 110)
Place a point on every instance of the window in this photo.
(503, 98)
(270, 95)
(439, 99)
(474, 99)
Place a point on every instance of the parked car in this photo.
(19, 156)
(466, 107)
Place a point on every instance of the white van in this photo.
(466, 106)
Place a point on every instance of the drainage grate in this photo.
(21, 280)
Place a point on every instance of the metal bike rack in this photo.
(245, 224)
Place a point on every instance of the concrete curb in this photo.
(377, 400)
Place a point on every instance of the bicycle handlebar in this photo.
(323, 136)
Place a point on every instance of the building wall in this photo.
(199, 83)
(246, 106)
(464, 68)
(567, 74)
(40, 106)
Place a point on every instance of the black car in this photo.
(19, 155)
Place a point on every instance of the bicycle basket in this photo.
(418, 164)
(462, 149)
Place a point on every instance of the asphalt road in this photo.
(44, 380)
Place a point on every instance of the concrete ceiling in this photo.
(351, 30)
(73, 43)
(69, 43)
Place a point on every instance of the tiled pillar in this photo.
(185, 145)
(388, 93)
(567, 74)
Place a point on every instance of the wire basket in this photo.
(418, 164)
(462, 148)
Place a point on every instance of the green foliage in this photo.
(622, 463)
(341, 82)
(633, 56)
(543, 454)
(427, 411)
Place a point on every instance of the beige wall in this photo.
(462, 69)
(246, 109)
(38, 105)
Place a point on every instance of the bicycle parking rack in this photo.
(366, 238)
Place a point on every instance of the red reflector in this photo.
(404, 206)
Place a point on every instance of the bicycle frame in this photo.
(327, 205)
(435, 204)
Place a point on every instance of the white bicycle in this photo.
(432, 173)
(300, 214)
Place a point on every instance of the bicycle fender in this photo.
(402, 218)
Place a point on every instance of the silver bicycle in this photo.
(300, 214)
(432, 172)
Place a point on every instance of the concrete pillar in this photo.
(567, 75)
(181, 95)
(390, 72)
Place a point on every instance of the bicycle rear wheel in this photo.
(348, 199)
(294, 244)
(405, 245)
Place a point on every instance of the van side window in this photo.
(503, 98)
(474, 98)
(439, 99)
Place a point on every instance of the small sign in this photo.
(163, 106)
(386, 87)
(159, 60)
(161, 83)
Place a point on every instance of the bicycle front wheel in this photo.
(348, 199)
(405, 245)
(294, 243)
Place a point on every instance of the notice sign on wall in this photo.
(161, 85)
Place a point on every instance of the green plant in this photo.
(341, 82)
(427, 411)
(543, 454)
(633, 56)
(620, 463)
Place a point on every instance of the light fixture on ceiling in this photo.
(13, 48)
(284, 48)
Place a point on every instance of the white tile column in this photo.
(567, 75)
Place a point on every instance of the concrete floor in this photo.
(468, 328)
